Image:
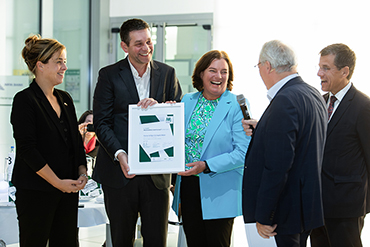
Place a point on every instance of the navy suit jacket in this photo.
(346, 164)
(281, 183)
(114, 91)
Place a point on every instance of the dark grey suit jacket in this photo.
(346, 164)
(114, 91)
(281, 183)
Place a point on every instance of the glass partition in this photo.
(184, 45)
(18, 20)
(71, 28)
(178, 41)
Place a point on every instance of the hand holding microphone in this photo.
(248, 126)
(248, 123)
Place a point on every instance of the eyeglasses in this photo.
(324, 69)
(256, 66)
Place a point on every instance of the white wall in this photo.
(242, 27)
(159, 7)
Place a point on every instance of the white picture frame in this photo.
(156, 143)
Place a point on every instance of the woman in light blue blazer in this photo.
(209, 191)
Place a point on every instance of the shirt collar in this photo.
(275, 88)
(340, 95)
(134, 71)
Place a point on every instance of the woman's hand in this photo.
(69, 185)
(64, 185)
(196, 168)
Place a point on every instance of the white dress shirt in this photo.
(142, 86)
(340, 95)
(142, 83)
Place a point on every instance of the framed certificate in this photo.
(156, 143)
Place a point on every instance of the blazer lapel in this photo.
(65, 107)
(154, 80)
(220, 113)
(189, 108)
(48, 109)
(342, 107)
(128, 79)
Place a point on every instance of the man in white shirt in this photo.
(137, 79)
(346, 163)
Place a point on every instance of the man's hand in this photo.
(145, 103)
(196, 168)
(247, 126)
(122, 158)
(266, 231)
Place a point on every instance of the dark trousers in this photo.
(292, 240)
(123, 206)
(338, 232)
(47, 215)
(199, 232)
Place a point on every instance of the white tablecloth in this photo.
(91, 214)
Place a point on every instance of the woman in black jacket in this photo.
(50, 165)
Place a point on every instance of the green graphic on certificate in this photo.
(156, 139)
(157, 134)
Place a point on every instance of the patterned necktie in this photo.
(331, 106)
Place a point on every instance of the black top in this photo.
(43, 138)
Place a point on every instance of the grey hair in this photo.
(280, 56)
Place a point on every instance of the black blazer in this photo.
(40, 139)
(281, 183)
(346, 164)
(114, 91)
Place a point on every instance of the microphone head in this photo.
(240, 98)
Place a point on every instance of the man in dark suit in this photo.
(137, 79)
(281, 184)
(346, 164)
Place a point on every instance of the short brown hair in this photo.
(204, 62)
(39, 49)
(129, 26)
(344, 56)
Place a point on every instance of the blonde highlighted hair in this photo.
(39, 49)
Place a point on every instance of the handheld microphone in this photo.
(243, 106)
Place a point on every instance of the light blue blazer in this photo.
(224, 148)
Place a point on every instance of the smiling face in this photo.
(215, 79)
(54, 70)
(140, 49)
(332, 79)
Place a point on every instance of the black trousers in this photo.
(199, 232)
(123, 206)
(47, 215)
(292, 240)
(338, 232)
